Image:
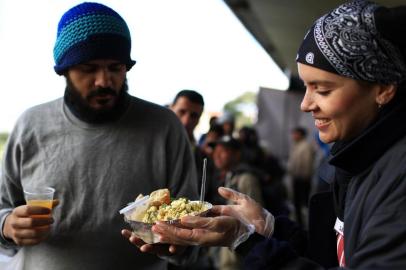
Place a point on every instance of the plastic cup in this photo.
(39, 196)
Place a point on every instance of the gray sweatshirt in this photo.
(96, 170)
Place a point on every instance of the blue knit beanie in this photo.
(91, 31)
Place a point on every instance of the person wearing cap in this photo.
(352, 63)
(99, 147)
(233, 172)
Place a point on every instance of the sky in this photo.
(178, 44)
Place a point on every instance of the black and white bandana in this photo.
(346, 42)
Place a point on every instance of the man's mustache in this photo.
(102, 91)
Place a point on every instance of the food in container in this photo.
(158, 206)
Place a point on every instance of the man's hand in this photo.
(28, 225)
(157, 249)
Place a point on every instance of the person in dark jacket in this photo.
(352, 62)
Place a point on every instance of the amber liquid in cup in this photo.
(42, 203)
(40, 197)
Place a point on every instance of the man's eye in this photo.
(116, 68)
(87, 69)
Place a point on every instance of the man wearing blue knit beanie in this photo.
(98, 147)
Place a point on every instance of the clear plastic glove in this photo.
(247, 210)
(205, 231)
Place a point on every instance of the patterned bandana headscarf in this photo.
(346, 42)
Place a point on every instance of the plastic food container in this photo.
(134, 212)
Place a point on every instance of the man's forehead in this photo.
(184, 101)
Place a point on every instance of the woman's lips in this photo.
(321, 123)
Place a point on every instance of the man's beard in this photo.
(80, 107)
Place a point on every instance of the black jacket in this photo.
(369, 193)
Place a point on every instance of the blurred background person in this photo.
(227, 157)
(212, 123)
(227, 121)
(188, 105)
(300, 168)
(321, 160)
(273, 189)
(252, 153)
(215, 133)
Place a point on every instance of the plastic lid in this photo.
(133, 205)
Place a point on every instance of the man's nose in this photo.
(186, 119)
(103, 78)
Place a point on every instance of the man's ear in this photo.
(385, 93)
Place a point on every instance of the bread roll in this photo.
(159, 197)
